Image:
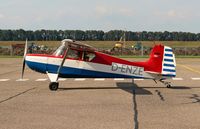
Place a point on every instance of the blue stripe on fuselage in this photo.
(69, 72)
(39, 67)
(168, 75)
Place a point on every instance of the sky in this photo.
(130, 15)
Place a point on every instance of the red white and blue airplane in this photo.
(74, 59)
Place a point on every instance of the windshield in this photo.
(60, 51)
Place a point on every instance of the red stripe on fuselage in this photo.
(100, 58)
(108, 60)
(44, 55)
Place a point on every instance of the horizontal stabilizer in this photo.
(151, 72)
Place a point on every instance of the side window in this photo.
(88, 56)
(74, 54)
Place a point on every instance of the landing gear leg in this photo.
(133, 81)
(53, 86)
(167, 84)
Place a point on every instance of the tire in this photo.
(168, 86)
(53, 86)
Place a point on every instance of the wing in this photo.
(78, 45)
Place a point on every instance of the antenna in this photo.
(124, 44)
(154, 42)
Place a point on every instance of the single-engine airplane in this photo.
(74, 59)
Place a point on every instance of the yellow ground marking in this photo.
(189, 68)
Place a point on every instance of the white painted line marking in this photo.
(80, 79)
(62, 79)
(177, 79)
(99, 79)
(22, 80)
(194, 78)
(41, 80)
(4, 80)
(119, 79)
(138, 79)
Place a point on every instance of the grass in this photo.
(110, 44)
(182, 56)
(6, 56)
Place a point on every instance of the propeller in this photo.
(24, 58)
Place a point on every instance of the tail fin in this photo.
(162, 61)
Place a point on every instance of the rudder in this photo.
(169, 62)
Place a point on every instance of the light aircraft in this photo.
(74, 59)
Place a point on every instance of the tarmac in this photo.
(99, 103)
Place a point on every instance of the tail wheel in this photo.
(166, 83)
(53, 86)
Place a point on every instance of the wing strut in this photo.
(54, 76)
(61, 65)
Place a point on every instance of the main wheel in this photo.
(53, 86)
(168, 86)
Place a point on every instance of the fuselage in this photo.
(102, 66)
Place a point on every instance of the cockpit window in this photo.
(74, 54)
(60, 51)
(88, 56)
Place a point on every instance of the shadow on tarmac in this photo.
(129, 87)
(138, 90)
(126, 86)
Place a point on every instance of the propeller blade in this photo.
(24, 58)
(26, 47)
(23, 67)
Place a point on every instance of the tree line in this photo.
(95, 35)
